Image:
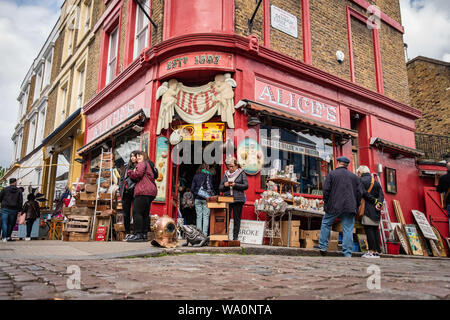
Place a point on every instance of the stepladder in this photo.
(386, 229)
(104, 181)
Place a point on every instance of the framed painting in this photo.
(414, 240)
(390, 176)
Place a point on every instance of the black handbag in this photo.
(129, 185)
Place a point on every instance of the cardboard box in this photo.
(294, 236)
(310, 234)
(309, 243)
(334, 235)
(333, 245)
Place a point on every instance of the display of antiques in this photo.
(165, 232)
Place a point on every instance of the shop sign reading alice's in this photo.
(296, 102)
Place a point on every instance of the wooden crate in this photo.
(224, 243)
(90, 188)
(103, 222)
(226, 199)
(91, 175)
(82, 211)
(103, 207)
(75, 236)
(105, 184)
(106, 174)
(119, 227)
(120, 235)
(85, 203)
(216, 205)
(91, 181)
(107, 213)
(104, 196)
(84, 196)
(78, 224)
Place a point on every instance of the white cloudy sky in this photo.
(26, 24)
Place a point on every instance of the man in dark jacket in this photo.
(444, 187)
(11, 200)
(342, 194)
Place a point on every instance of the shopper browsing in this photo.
(234, 183)
(32, 211)
(126, 189)
(342, 194)
(144, 193)
(11, 199)
(373, 201)
(202, 189)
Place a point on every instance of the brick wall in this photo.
(395, 76)
(363, 55)
(243, 10)
(158, 18)
(328, 35)
(428, 83)
(282, 42)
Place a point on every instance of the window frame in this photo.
(41, 115)
(31, 134)
(146, 28)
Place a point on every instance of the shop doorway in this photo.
(193, 154)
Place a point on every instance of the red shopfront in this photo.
(280, 92)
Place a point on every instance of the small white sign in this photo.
(251, 231)
(424, 225)
(283, 21)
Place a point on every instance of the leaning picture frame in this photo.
(390, 177)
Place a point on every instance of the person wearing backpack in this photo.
(32, 211)
(145, 192)
(234, 183)
(11, 199)
(202, 189)
(126, 189)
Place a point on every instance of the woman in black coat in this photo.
(234, 183)
(372, 211)
(126, 188)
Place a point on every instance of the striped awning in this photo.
(137, 117)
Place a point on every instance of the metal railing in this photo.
(434, 146)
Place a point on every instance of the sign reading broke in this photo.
(296, 102)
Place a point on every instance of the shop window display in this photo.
(62, 172)
(124, 145)
(309, 155)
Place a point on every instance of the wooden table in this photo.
(284, 182)
(55, 229)
(292, 210)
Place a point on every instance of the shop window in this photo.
(310, 154)
(62, 171)
(124, 145)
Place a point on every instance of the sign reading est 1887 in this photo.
(296, 102)
(197, 60)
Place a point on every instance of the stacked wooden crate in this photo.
(78, 223)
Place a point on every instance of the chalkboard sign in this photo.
(423, 224)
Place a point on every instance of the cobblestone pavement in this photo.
(226, 276)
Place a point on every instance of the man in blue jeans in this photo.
(342, 192)
(11, 199)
